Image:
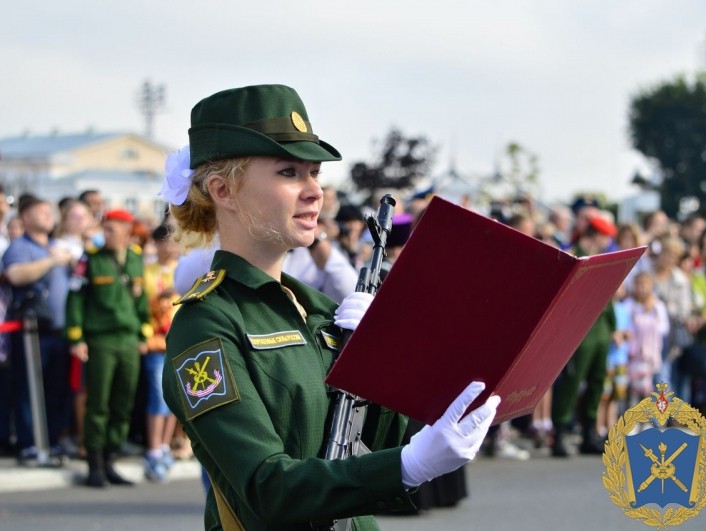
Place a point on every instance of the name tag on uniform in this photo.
(332, 342)
(286, 338)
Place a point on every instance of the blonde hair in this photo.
(674, 245)
(196, 217)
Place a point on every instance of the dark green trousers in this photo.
(112, 373)
(587, 364)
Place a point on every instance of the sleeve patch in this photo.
(332, 342)
(204, 378)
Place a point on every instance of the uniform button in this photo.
(399, 501)
(382, 504)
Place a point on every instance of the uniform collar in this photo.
(243, 272)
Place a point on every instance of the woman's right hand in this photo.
(450, 442)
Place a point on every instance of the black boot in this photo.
(110, 473)
(559, 448)
(96, 469)
(592, 443)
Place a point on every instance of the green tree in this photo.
(400, 162)
(668, 125)
(519, 169)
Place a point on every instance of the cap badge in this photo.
(299, 122)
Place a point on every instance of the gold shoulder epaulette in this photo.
(202, 287)
(92, 249)
(136, 249)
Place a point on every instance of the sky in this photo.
(555, 76)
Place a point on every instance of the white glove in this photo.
(352, 309)
(448, 444)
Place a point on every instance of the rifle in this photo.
(349, 410)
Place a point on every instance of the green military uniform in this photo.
(589, 364)
(245, 375)
(108, 310)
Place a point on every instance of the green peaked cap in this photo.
(260, 120)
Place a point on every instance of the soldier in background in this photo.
(588, 363)
(107, 325)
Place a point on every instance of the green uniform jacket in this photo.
(106, 298)
(245, 375)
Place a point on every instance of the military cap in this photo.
(119, 214)
(602, 226)
(260, 120)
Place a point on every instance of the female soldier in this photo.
(250, 347)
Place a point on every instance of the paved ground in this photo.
(540, 494)
(14, 478)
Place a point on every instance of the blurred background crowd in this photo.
(654, 330)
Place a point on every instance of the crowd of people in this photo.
(101, 284)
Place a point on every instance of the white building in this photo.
(126, 168)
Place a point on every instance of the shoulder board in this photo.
(92, 249)
(136, 249)
(203, 286)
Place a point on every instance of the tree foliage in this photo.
(399, 163)
(668, 125)
(519, 169)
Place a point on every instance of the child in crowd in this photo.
(160, 421)
(650, 326)
(615, 389)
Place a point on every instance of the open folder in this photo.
(472, 299)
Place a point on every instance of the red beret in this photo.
(119, 214)
(602, 226)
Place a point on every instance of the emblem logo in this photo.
(518, 396)
(657, 475)
(299, 123)
(203, 378)
(332, 342)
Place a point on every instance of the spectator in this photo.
(650, 325)
(4, 209)
(673, 289)
(629, 237)
(615, 389)
(351, 224)
(96, 204)
(562, 218)
(38, 272)
(15, 229)
(655, 225)
(690, 231)
(159, 285)
(71, 234)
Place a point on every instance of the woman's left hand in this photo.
(352, 309)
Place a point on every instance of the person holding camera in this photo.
(38, 272)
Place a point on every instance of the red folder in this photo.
(472, 299)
